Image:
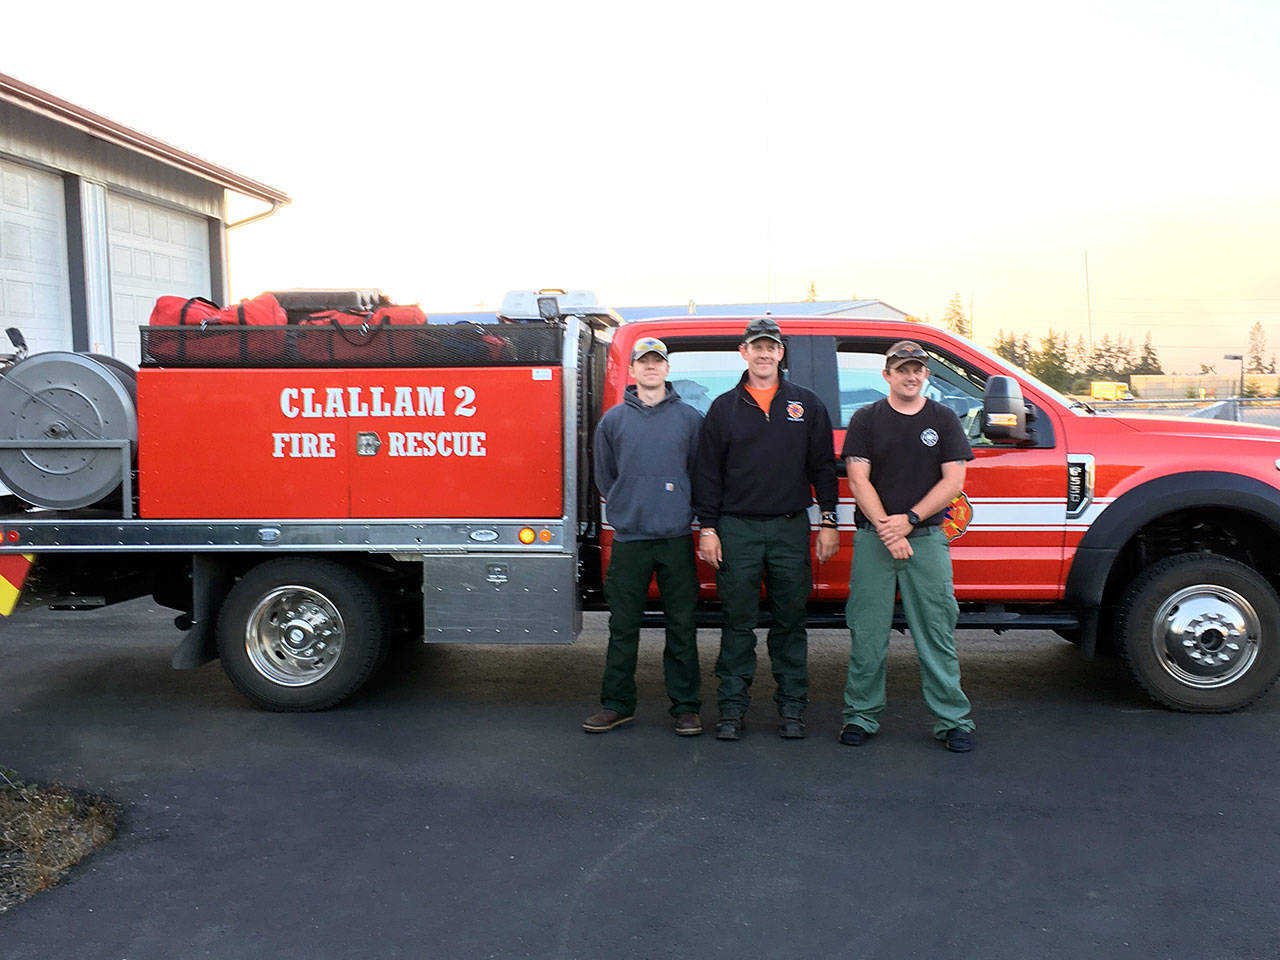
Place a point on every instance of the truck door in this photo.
(1008, 531)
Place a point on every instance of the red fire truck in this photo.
(299, 502)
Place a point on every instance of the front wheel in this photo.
(1201, 633)
(301, 634)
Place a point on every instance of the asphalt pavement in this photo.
(456, 810)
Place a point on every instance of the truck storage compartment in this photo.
(330, 345)
(499, 598)
(390, 442)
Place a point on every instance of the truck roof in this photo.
(733, 326)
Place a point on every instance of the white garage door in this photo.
(154, 251)
(35, 295)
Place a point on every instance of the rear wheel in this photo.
(1201, 633)
(301, 634)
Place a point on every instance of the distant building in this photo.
(97, 220)
(867, 309)
(1208, 386)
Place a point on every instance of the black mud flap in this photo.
(210, 581)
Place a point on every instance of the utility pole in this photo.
(1088, 299)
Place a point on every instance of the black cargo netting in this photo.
(461, 345)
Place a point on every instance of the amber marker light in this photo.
(545, 536)
(527, 535)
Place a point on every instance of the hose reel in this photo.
(68, 428)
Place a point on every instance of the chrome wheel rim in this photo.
(1206, 636)
(294, 636)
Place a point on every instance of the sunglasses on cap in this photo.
(911, 352)
(903, 352)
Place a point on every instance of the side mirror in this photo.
(1004, 414)
(17, 339)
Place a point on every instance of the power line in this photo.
(1199, 299)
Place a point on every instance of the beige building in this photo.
(98, 220)
(1218, 387)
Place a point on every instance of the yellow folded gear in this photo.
(13, 571)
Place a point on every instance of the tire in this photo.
(1201, 633)
(301, 634)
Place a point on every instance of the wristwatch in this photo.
(829, 520)
(913, 518)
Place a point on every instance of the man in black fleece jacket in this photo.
(644, 450)
(764, 452)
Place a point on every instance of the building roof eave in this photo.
(55, 108)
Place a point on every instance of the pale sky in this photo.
(729, 152)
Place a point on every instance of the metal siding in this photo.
(72, 188)
(34, 285)
(97, 272)
(218, 261)
(39, 140)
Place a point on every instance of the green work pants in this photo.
(632, 566)
(928, 599)
(775, 552)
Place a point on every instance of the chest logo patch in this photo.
(795, 411)
(929, 436)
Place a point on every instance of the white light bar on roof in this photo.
(523, 304)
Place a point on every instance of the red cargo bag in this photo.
(334, 336)
(220, 336)
(474, 342)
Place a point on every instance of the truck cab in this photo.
(1154, 537)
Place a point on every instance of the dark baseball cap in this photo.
(905, 351)
(759, 328)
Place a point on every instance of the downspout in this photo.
(275, 205)
(226, 265)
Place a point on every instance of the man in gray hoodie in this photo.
(644, 452)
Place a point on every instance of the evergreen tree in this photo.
(955, 320)
(1103, 360)
(1025, 353)
(1253, 362)
(1126, 358)
(1148, 361)
(1052, 362)
(1005, 346)
(1080, 359)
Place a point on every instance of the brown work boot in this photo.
(606, 720)
(688, 725)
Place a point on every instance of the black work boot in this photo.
(729, 728)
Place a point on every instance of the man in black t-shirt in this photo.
(906, 459)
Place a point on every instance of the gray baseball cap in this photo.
(648, 345)
(760, 328)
